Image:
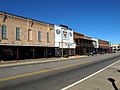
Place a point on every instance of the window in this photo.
(39, 36)
(4, 32)
(30, 35)
(17, 33)
(48, 38)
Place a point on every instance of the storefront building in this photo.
(115, 47)
(104, 46)
(64, 41)
(96, 45)
(23, 38)
(84, 44)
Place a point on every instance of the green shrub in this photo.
(66, 56)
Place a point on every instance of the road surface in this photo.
(52, 75)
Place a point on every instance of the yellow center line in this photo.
(39, 72)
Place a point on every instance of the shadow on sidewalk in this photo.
(113, 83)
(118, 70)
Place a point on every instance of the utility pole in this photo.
(62, 41)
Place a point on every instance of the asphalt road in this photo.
(52, 75)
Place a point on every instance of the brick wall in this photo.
(13, 21)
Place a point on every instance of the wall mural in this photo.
(58, 31)
(65, 35)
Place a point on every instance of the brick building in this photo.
(84, 44)
(23, 38)
(104, 46)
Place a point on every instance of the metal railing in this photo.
(85, 45)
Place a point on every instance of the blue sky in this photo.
(95, 18)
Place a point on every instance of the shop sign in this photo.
(67, 45)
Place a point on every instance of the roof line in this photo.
(24, 17)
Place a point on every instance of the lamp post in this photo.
(63, 34)
(62, 41)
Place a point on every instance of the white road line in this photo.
(88, 76)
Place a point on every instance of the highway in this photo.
(52, 75)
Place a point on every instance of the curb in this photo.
(19, 63)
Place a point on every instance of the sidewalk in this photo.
(31, 61)
(107, 79)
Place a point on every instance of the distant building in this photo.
(23, 38)
(104, 46)
(115, 47)
(96, 45)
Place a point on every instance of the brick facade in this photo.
(25, 24)
(25, 38)
(84, 44)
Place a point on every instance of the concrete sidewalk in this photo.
(106, 79)
(32, 61)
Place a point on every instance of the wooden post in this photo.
(46, 52)
(17, 54)
(33, 52)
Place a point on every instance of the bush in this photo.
(66, 56)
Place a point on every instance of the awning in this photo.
(104, 47)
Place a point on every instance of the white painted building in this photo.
(115, 47)
(64, 38)
(96, 44)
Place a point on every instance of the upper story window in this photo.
(17, 33)
(118, 47)
(48, 40)
(30, 35)
(39, 36)
(4, 32)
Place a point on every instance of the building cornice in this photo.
(21, 17)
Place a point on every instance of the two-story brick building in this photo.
(23, 38)
(84, 44)
(104, 46)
